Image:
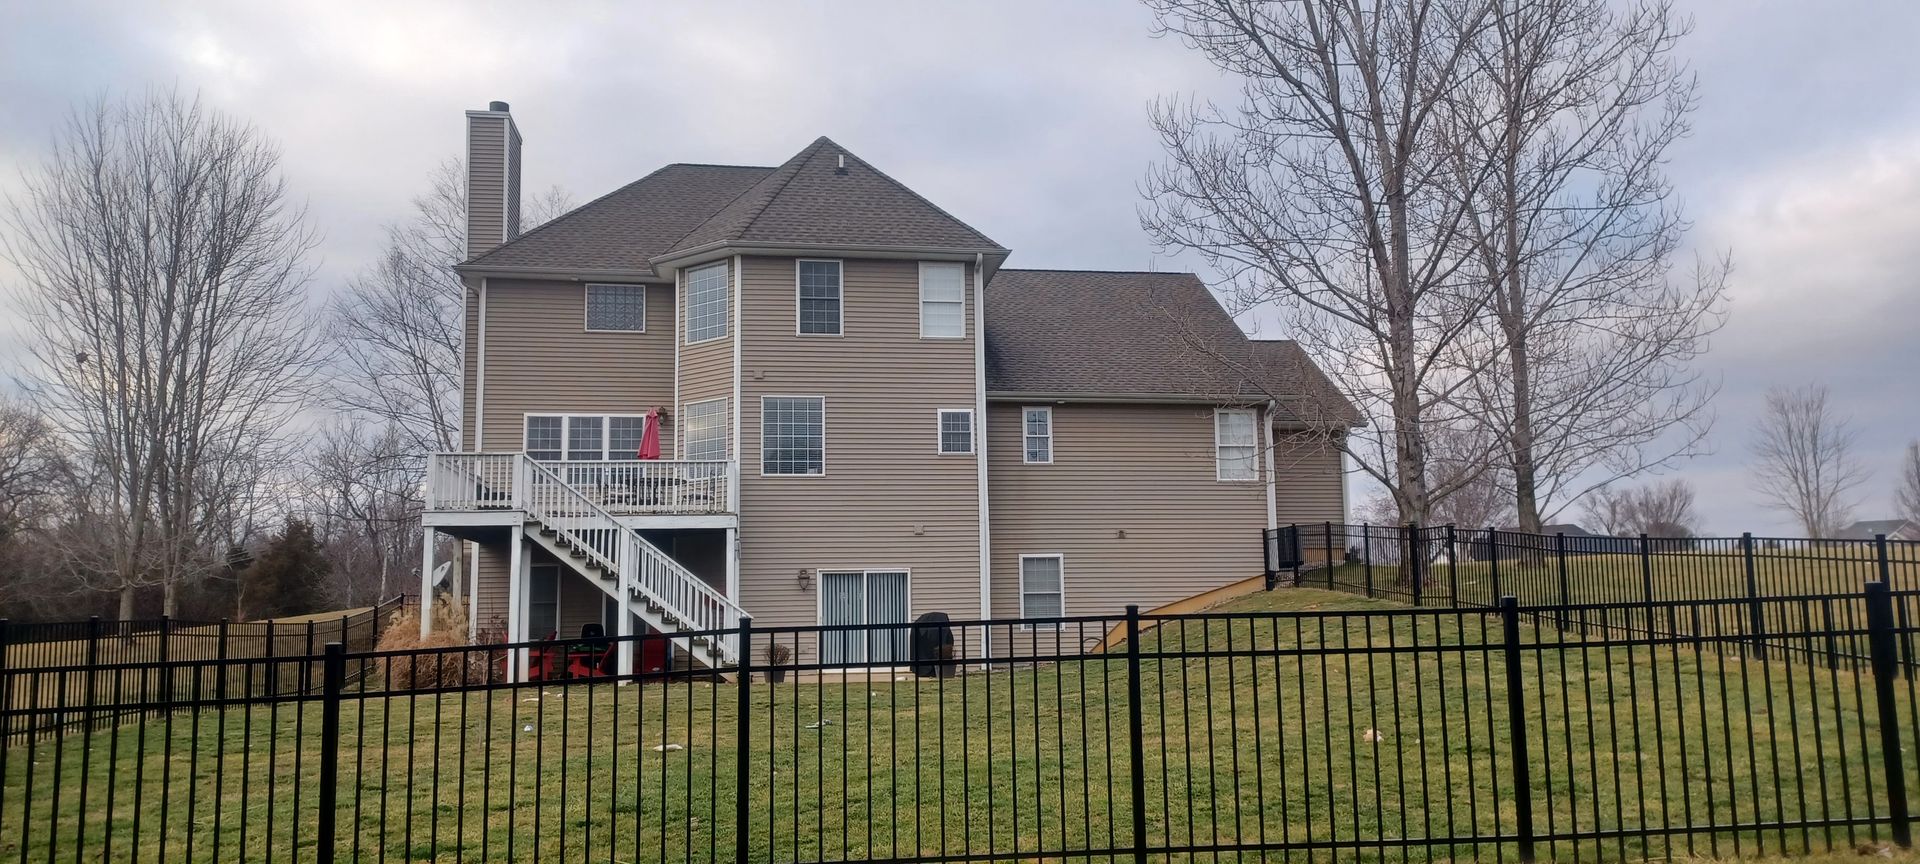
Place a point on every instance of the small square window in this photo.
(956, 431)
(819, 297)
(617, 308)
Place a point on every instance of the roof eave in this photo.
(576, 274)
(668, 263)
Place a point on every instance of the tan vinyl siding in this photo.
(486, 179)
(541, 359)
(1308, 491)
(1147, 470)
(490, 596)
(706, 368)
(469, 368)
(888, 500)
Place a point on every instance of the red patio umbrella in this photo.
(650, 437)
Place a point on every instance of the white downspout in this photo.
(980, 444)
(1266, 428)
(733, 476)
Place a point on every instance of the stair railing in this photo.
(622, 553)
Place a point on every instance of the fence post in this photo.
(1269, 542)
(306, 666)
(1453, 568)
(1886, 578)
(1517, 721)
(1136, 746)
(166, 654)
(6, 681)
(1646, 579)
(1298, 552)
(93, 665)
(1560, 565)
(332, 683)
(225, 671)
(1328, 549)
(1416, 551)
(1880, 642)
(743, 733)
(1756, 616)
(1493, 561)
(1366, 554)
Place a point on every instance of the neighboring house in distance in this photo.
(867, 417)
(1868, 529)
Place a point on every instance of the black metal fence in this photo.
(1410, 733)
(137, 652)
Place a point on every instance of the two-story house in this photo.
(806, 394)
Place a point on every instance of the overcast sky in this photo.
(1026, 119)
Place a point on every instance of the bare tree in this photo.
(396, 328)
(1906, 493)
(1661, 509)
(164, 268)
(1565, 124)
(1804, 461)
(33, 470)
(1323, 191)
(365, 493)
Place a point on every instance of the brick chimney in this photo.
(493, 178)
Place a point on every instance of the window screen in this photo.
(1234, 433)
(793, 435)
(1041, 594)
(617, 307)
(707, 302)
(819, 293)
(943, 300)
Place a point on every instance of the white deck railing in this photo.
(485, 481)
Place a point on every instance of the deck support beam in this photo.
(426, 582)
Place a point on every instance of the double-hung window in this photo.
(704, 430)
(617, 308)
(1235, 432)
(956, 431)
(1042, 592)
(818, 292)
(943, 300)
(1037, 423)
(584, 437)
(793, 436)
(707, 302)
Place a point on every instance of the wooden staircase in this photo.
(645, 580)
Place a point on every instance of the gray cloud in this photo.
(1027, 120)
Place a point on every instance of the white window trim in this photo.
(1217, 444)
(682, 440)
(761, 456)
(841, 328)
(820, 597)
(586, 306)
(1041, 556)
(566, 428)
(686, 304)
(940, 437)
(921, 307)
(1024, 454)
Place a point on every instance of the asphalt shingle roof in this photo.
(1140, 334)
(811, 200)
(625, 228)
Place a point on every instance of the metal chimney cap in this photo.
(497, 106)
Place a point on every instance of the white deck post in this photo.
(516, 607)
(629, 560)
(426, 582)
(733, 583)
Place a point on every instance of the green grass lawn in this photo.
(1311, 727)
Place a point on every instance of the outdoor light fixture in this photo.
(805, 577)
